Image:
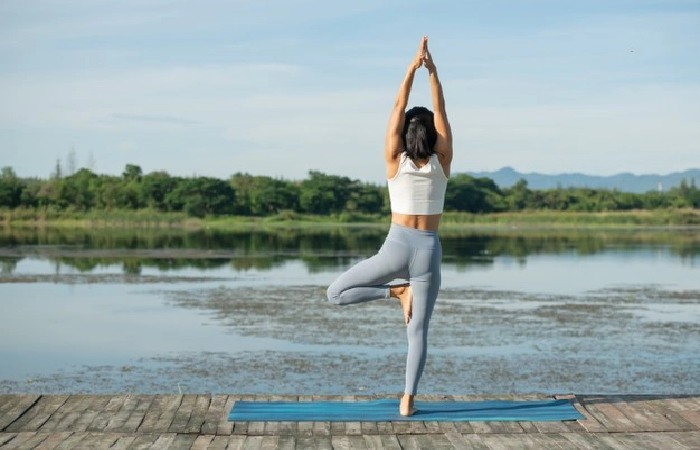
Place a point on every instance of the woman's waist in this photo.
(429, 223)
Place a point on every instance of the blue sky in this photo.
(282, 87)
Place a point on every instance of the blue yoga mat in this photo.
(387, 410)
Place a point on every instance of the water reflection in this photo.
(319, 249)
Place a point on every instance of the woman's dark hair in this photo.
(419, 133)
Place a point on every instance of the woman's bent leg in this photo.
(368, 279)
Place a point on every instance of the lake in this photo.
(520, 311)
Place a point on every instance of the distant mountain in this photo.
(626, 182)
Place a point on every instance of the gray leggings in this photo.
(409, 254)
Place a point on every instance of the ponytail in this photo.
(419, 134)
(417, 146)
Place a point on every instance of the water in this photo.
(526, 311)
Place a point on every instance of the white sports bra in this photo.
(418, 190)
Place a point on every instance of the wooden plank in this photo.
(256, 428)
(252, 443)
(553, 441)
(216, 411)
(198, 414)
(511, 441)
(103, 417)
(287, 428)
(73, 441)
(432, 427)
(160, 414)
(615, 441)
(269, 442)
(340, 442)
(26, 439)
(385, 428)
(586, 441)
(591, 423)
(91, 407)
(465, 427)
(164, 440)
(305, 429)
(53, 440)
(551, 427)
(337, 429)
(505, 427)
(131, 414)
(202, 442)
(390, 441)
(6, 437)
(641, 416)
(66, 415)
(424, 441)
(272, 428)
(322, 443)
(610, 417)
(322, 428)
(227, 443)
(691, 417)
(286, 443)
(225, 426)
(461, 442)
(690, 439)
(182, 415)
(123, 442)
(95, 440)
(353, 428)
(39, 414)
(143, 441)
(357, 442)
(373, 441)
(401, 427)
(240, 428)
(482, 427)
(417, 428)
(433, 441)
(661, 440)
(15, 406)
(138, 414)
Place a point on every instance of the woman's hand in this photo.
(427, 57)
(420, 55)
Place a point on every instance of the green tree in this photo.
(10, 188)
(202, 196)
(476, 195)
(324, 194)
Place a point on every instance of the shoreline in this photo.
(144, 219)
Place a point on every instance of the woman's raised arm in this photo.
(443, 145)
(393, 145)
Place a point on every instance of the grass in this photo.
(145, 219)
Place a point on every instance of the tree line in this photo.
(321, 194)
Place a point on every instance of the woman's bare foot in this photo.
(405, 296)
(406, 406)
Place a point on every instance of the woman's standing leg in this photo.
(425, 285)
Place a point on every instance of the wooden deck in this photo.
(199, 422)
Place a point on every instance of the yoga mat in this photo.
(387, 410)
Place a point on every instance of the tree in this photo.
(154, 188)
(202, 196)
(10, 188)
(324, 194)
(475, 195)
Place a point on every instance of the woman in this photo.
(418, 153)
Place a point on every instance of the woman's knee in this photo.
(333, 294)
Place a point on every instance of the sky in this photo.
(282, 87)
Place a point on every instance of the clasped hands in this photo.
(423, 57)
